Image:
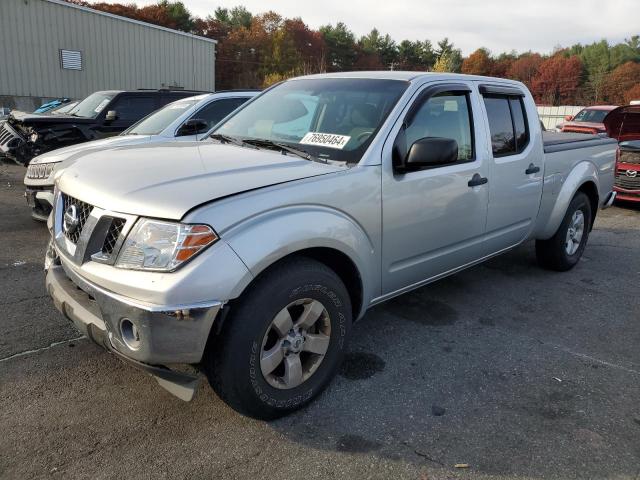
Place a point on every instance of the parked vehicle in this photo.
(623, 124)
(53, 104)
(65, 108)
(100, 115)
(251, 254)
(182, 120)
(587, 120)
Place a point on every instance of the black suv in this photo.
(102, 114)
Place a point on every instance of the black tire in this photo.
(232, 359)
(552, 254)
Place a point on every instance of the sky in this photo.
(499, 25)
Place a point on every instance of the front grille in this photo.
(627, 182)
(9, 138)
(115, 229)
(629, 156)
(40, 171)
(73, 220)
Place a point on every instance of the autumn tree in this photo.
(557, 80)
(632, 94)
(452, 56)
(525, 68)
(258, 50)
(444, 63)
(620, 81)
(478, 63)
(501, 65)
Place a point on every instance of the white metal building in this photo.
(51, 49)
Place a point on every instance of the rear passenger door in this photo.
(516, 169)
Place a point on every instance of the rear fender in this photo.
(581, 173)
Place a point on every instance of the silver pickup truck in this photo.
(248, 256)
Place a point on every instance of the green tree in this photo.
(453, 55)
(382, 46)
(597, 63)
(341, 47)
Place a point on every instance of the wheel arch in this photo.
(582, 178)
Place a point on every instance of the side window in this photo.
(520, 124)
(446, 115)
(507, 124)
(217, 110)
(132, 109)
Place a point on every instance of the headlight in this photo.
(40, 171)
(163, 246)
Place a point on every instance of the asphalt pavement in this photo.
(505, 370)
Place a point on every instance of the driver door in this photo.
(433, 218)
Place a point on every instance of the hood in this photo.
(167, 180)
(582, 127)
(74, 152)
(46, 118)
(623, 123)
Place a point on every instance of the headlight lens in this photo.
(163, 246)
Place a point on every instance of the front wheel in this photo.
(283, 341)
(562, 251)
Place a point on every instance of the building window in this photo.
(71, 59)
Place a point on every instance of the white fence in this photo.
(552, 116)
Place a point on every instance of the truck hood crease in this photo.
(168, 180)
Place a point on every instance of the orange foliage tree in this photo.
(478, 63)
(620, 81)
(557, 80)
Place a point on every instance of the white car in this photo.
(187, 119)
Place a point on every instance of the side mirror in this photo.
(193, 126)
(429, 152)
(111, 116)
(568, 118)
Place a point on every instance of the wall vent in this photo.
(71, 59)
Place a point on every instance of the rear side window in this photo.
(446, 115)
(217, 110)
(132, 109)
(507, 124)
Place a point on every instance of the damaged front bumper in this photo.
(146, 336)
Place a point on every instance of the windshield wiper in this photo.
(258, 142)
(229, 139)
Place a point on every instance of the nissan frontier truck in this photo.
(249, 256)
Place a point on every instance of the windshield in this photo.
(159, 120)
(64, 108)
(593, 116)
(91, 106)
(331, 118)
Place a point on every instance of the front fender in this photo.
(562, 192)
(264, 239)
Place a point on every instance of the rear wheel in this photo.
(562, 251)
(283, 340)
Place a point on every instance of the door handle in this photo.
(532, 169)
(477, 180)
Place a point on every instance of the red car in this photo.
(588, 120)
(623, 124)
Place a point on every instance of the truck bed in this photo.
(561, 141)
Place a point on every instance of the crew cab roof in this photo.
(410, 76)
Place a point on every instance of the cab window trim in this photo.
(508, 97)
(456, 89)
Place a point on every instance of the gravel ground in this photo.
(517, 372)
